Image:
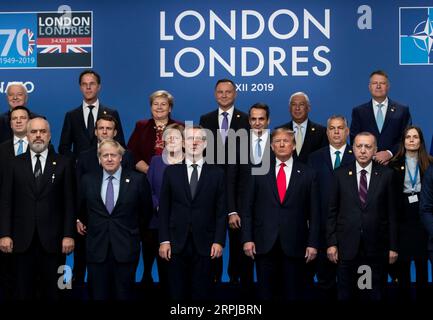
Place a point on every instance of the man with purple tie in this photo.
(362, 227)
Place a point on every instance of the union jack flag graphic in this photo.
(64, 45)
(31, 42)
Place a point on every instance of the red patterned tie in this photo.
(281, 182)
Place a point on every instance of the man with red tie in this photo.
(281, 221)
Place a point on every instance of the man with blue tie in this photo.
(192, 220)
(115, 203)
(324, 161)
(384, 118)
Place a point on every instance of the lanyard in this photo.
(412, 178)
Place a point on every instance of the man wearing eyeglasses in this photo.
(384, 118)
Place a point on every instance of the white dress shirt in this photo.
(332, 151)
(384, 108)
(189, 168)
(254, 140)
(116, 184)
(287, 169)
(368, 168)
(229, 116)
(16, 144)
(42, 159)
(86, 111)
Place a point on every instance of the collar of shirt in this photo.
(44, 154)
(86, 105)
(229, 117)
(384, 103)
(342, 149)
(16, 140)
(288, 163)
(367, 168)
(303, 125)
(264, 136)
(199, 163)
(116, 175)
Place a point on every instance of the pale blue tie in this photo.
(109, 196)
(20, 147)
(379, 117)
(258, 150)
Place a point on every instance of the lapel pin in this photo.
(402, 168)
(298, 171)
(350, 173)
(350, 151)
(313, 129)
(392, 109)
(54, 163)
(238, 116)
(375, 173)
(105, 112)
(127, 180)
(53, 177)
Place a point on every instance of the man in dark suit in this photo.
(115, 204)
(362, 228)
(280, 226)
(309, 136)
(16, 95)
(78, 132)
(324, 161)
(37, 214)
(384, 118)
(225, 124)
(19, 117)
(192, 220)
(88, 161)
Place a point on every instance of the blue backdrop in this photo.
(271, 49)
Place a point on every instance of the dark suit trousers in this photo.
(326, 273)
(36, 273)
(275, 268)
(6, 276)
(347, 277)
(189, 274)
(240, 266)
(111, 280)
(79, 259)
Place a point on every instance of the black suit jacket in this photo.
(75, 138)
(48, 210)
(295, 221)
(396, 120)
(5, 125)
(204, 215)
(349, 223)
(315, 138)
(320, 160)
(120, 229)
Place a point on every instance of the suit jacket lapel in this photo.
(203, 175)
(123, 188)
(49, 172)
(80, 116)
(372, 118)
(329, 159)
(294, 176)
(348, 155)
(389, 114)
(351, 172)
(272, 179)
(29, 174)
(374, 180)
(184, 172)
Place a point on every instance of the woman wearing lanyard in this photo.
(410, 163)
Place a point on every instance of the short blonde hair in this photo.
(112, 143)
(162, 94)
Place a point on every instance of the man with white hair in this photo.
(37, 214)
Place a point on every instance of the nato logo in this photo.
(416, 36)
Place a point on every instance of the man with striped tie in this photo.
(362, 227)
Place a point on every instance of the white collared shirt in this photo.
(229, 116)
(116, 184)
(254, 139)
(16, 144)
(368, 168)
(42, 159)
(384, 108)
(86, 111)
(332, 151)
(303, 128)
(189, 167)
(287, 169)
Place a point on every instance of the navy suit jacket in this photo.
(295, 221)
(349, 222)
(396, 120)
(75, 138)
(315, 138)
(120, 229)
(5, 125)
(321, 162)
(426, 204)
(204, 215)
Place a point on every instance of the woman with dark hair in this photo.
(410, 164)
(145, 142)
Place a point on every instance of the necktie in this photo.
(337, 159)
(258, 150)
(281, 182)
(379, 117)
(91, 123)
(363, 187)
(224, 126)
(109, 195)
(298, 140)
(20, 147)
(38, 170)
(194, 180)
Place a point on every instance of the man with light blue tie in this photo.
(384, 118)
(115, 204)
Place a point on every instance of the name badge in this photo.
(413, 198)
